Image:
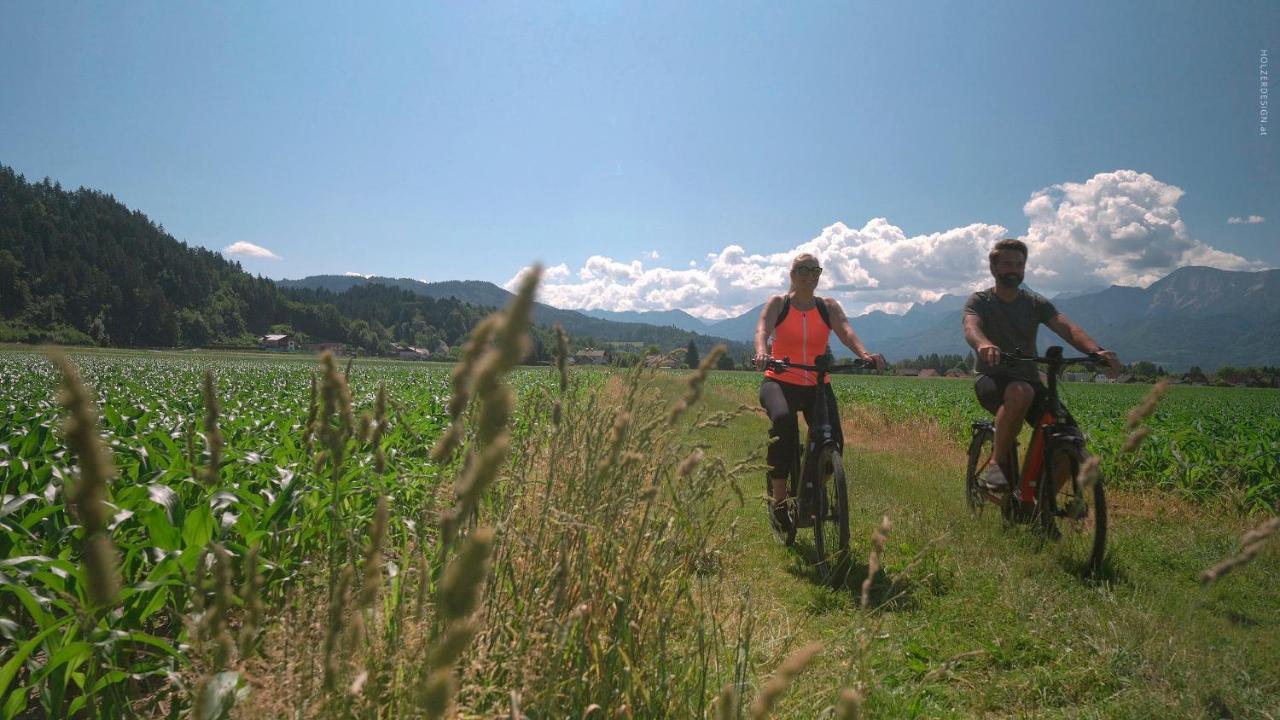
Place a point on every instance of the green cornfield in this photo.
(245, 487)
(1205, 443)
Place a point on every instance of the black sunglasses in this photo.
(807, 269)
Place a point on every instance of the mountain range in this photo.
(1193, 316)
(646, 329)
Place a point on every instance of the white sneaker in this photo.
(993, 478)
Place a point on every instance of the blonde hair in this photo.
(795, 263)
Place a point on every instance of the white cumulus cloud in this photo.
(248, 249)
(1119, 227)
(1251, 220)
(356, 274)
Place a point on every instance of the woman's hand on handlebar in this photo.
(760, 360)
(876, 360)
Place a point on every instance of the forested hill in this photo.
(79, 266)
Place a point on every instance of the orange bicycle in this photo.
(1049, 491)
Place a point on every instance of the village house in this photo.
(277, 343)
(906, 372)
(591, 356)
(928, 373)
(954, 373)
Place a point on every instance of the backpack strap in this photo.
(823, 310)
(786, 307)
(821, 303)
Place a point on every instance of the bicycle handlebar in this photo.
(785, 363)
(1051, 357)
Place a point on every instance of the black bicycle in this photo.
(1049, 490)
(817, 492)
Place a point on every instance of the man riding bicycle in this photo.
(800, 324)
(1005, 318)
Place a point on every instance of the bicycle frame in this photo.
(1054, 423)
(819, 433)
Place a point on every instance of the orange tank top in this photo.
(801, 336)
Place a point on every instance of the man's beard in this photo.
(1009, 280)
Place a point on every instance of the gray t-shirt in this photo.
(1011, 325)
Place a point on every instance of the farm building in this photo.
(278, 343)
(412, 353)
(591, 356)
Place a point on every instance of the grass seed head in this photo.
(777, 685)
(333, 656)
(1143, 410)
(379, 429)
(562, 357)
(849, 705)
(437, 693)
(689, 463)
(88, 496)
(212, 434)
(727, 703)
(460, 589)
(373, 562)
(103, 570)
(251, 595)
(476, 477)
(1251, 544)
(878, 539)
(448, 649)
(693, 390)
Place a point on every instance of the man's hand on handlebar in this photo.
(1112, 360)
(989, 354)
(760, 360)
(876, 360)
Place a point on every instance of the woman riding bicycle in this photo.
(800, 324)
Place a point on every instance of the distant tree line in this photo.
(940, 363)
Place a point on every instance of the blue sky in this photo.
(665, 154)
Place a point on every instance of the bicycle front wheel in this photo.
(1073, 507)
(831, 526)
(981, 454)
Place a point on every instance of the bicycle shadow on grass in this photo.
(1109, 572)
(885, 593)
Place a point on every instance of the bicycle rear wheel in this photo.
(831, 526)
(981, 450)
(1073, 509)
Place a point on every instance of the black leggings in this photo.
(781, 400)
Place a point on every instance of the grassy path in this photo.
(987, 622)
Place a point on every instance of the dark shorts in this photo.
(990, 392)
(782, 401)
